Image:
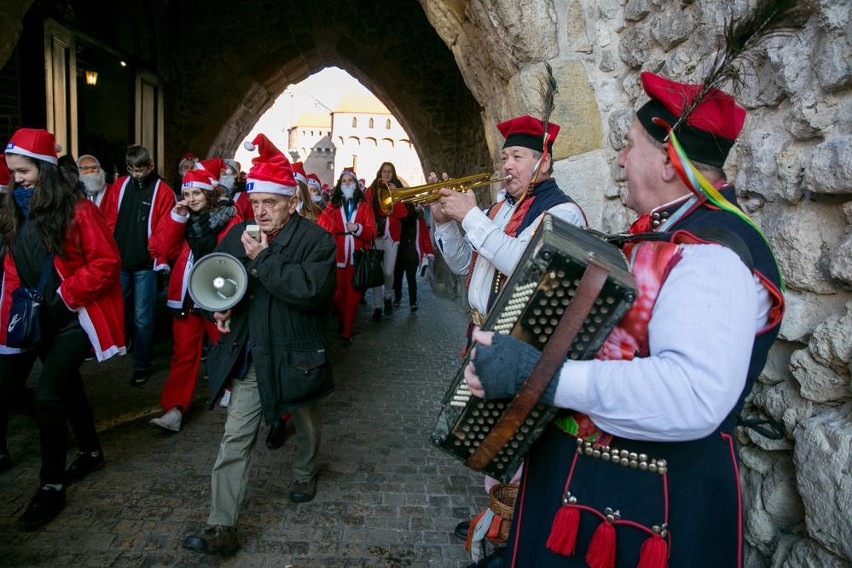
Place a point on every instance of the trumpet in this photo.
(429, 193)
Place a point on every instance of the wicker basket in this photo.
(501, 500)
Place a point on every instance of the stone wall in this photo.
(793, 171)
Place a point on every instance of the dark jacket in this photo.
(282, 316)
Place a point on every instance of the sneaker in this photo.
(303, 491)
(139, 378)
(226, 399)
(84, 464)
(45, 505)
(377, 314)
(216, 539)
(5, 461)
(413, 308)
(388, 307)
(169, 421)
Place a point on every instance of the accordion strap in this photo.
(551, 360)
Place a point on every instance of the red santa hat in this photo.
(314, 180)
(35, 143)
(707, 133)
(528, 132)
(198, 178)
(299, 172)
(5, 175)
(271, 171)
(214, 166)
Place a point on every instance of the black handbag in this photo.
(368, 268)
(24, 327)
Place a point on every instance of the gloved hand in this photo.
(503, 366)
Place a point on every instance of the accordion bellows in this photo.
(530, 306)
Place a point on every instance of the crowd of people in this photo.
(656, 395)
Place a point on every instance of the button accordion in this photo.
(549, 288)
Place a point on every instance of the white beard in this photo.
(95, 183)
(348, 192)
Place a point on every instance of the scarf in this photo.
(202, 229)
(22, 197)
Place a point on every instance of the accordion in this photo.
(548, 287)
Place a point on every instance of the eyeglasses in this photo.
(138, 171)
(92, 168)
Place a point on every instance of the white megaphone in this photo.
(217, 282)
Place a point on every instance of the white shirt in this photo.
(700, 337)
(494, 247)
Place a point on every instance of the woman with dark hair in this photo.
(49, 228)
(388, 230)
(350, 221)
(306, 206)
(197, 223)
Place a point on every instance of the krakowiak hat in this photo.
(5, 175)
(528, 132)
(198, 177)
(34, 143)
(299, 172)
(314, 180)
(707, 133)
(271, 171)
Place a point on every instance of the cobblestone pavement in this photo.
(386, 497)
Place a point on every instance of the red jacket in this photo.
(244, 210)
(161, 207)
(177, 251)
(89, 281)
(423, 242)
(333, 219)
(393, 229)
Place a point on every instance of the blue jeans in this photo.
(140, 301)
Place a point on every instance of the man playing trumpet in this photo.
(495, 239)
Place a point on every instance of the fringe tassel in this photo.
(654, 553)
(601, 552)
(563, 532)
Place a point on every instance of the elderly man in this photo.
(93, 177)
(641, 468)
(273, 342)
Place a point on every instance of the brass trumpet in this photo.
(429, 193)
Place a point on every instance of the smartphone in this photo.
(253, 231)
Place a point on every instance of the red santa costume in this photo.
(340, 211)
(388, 231)
(180, 234)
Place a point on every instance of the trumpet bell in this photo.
(429, 193)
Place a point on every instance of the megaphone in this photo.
(217, 282)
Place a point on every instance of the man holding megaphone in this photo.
(273, 342)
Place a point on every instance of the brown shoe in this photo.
(216, 539)
(303, 491)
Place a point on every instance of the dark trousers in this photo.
(20, 398)
(410, 270)
(59, 397)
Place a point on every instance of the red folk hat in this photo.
(5, 175)
(271, 171)
(313, 179)
(708, 132)
(35, 143)
(299, 172)
(528, 132)
(214, 166)
(198, 177)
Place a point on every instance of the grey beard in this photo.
(95, 183)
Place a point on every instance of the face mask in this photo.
(227, 181)
(348, 190)
(316, 198)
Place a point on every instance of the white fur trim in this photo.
(262, 186)
(202, 185)
(11, 148)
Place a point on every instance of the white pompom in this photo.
(249, 146)
(58, 148)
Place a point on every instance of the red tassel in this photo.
(601, 552)
(563, 531)
(654, 553)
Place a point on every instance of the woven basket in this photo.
(501, 500)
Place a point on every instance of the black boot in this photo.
(45, 505)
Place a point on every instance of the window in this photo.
(354, 122)
(371, 123)
(388, 124)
